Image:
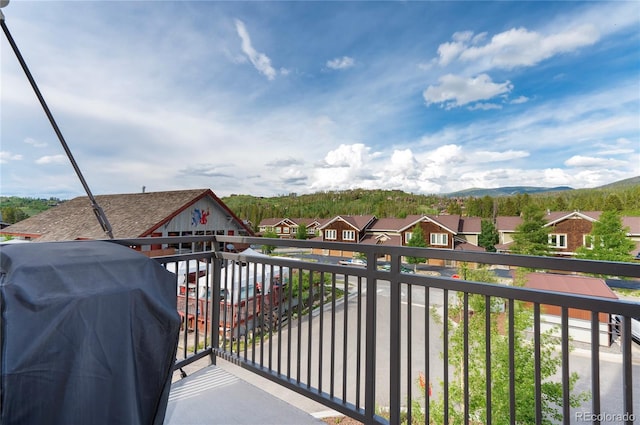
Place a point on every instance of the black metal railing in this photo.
(380, 343)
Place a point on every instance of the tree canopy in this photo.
(531, 236)
(608, 240)
(500, 345)
(417, 240)
(489, 236)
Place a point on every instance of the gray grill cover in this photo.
(89, 333)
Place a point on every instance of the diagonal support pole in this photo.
(97, 210)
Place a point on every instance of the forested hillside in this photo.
(623, 196)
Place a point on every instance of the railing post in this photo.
(370, 340)
(394, 342)
(215, 300)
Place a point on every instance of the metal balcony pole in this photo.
(97, 210)
(395, 342)
(370, 339)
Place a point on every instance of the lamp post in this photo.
(97, 210)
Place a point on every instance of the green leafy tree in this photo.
(12, 215)
(301, 232)
(268, 249)
(608, 240)
(499, 345)
(489, 236)
(531, 237)
(417, 240)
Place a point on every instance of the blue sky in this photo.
(268, 98)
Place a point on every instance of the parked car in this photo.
(353, 262)
(635, 327)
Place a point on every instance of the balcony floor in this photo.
(212, 395)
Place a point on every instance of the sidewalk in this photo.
(213, 395)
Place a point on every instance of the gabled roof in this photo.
(131, 215)
(358, 222)
(274, 221)
(450, 223)
(269, 222)
(392, 224)
(303, 221)
(558, 216)
(508, 223)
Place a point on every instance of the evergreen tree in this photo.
(613, 202)
(489, 236)
(508, 207)
(487, 209)
(531, 237)
(301, 232)
(417, 240)
(608, 240)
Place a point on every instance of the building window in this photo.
(587, 241)
(331, 234)
(349, 235)
(557, 240)
(278, 230)
(439, 239)
(407, 237)
(285, 230)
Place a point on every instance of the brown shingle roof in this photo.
(471, 225)
(131, 215)
(358, 222)
(572, 284)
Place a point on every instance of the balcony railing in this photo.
(380, 343)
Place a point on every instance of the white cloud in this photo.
(484, 106)
(496, 156)
(515, 47)
(5, 157)
(51, 159)
(621, 146)
(580, 161)
(341, 63)
(35, 143)
(455, 91)
(519, 100)
(261, 61)
(353, 156)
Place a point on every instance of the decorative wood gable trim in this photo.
(339, 218)
(576, 215)
(430, 220)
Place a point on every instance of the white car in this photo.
(635, 327)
